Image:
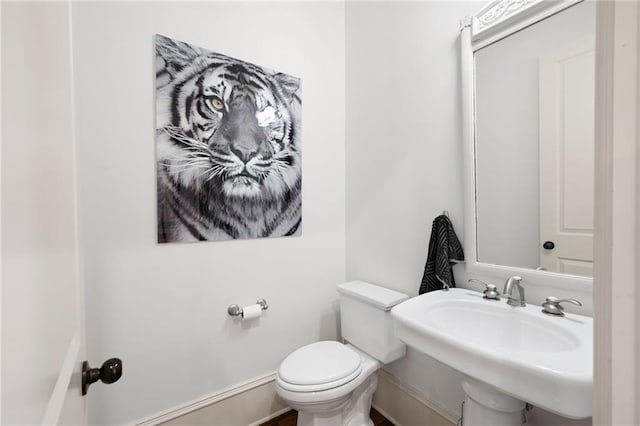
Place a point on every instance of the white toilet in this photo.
(330, 383)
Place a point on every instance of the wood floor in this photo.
(290, 417)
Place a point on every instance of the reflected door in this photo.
(567, 81)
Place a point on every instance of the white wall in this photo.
(403, 135)
(507, 136)
(404, 158)
(39, 268)
(163, 309)
(404, 153)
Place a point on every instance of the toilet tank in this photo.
(366, 320)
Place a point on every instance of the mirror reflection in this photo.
(534, 114)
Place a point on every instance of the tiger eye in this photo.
(217, 104)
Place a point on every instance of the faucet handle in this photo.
(552, 306)
(490, 291)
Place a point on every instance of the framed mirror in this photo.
(528, 117)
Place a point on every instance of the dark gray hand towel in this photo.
(444, 246)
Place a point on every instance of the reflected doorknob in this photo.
(110, 372)
(548, 245)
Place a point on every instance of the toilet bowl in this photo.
(328, 383)
(332, 384)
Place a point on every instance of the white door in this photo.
(567, 90)
(42, 311)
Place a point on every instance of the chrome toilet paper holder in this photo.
(236, 311)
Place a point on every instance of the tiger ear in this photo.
(176, 54)
(288, 83)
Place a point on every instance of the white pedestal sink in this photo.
(511, 355)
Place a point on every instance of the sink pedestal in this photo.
(484, 405)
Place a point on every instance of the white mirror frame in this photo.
(493, 22)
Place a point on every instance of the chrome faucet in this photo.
(514, 282)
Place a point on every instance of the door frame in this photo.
(1, 218)
(616, 397)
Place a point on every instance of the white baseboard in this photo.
(256, 402)
(405, 406)
(250, 404)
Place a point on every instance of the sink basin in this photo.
(544, 360)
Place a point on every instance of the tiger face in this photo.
(231, 127)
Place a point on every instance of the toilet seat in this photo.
(319, 366)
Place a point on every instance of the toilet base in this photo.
(352, 411)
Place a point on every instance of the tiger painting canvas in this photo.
(227, 147)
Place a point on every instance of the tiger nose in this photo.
(244, 153)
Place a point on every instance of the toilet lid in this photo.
(320, 365)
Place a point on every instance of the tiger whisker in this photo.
(189, 162)
(214, 171)
(189, 156)
(183, 167)
(280, 164)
